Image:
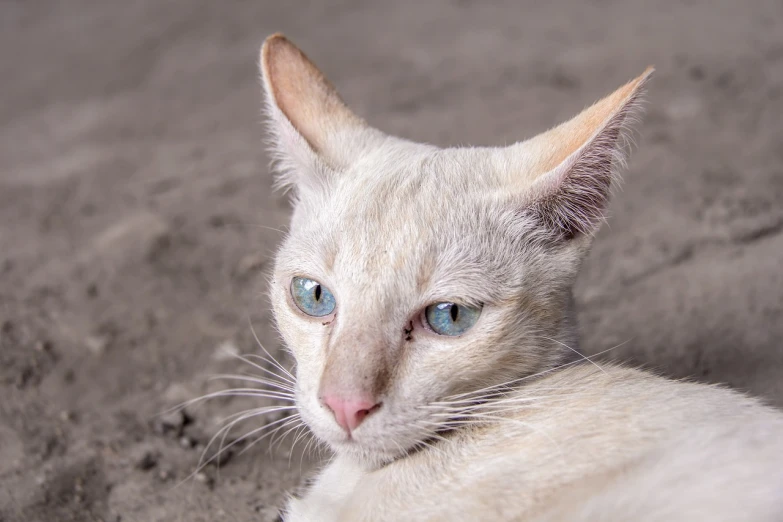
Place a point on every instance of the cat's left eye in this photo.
(450, 318)
(311, 297)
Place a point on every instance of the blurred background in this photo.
(137, 220)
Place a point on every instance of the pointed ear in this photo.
(570, 169)
(312, 130)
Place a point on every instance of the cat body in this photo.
(582, 445)
(425, 294)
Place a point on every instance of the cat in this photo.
(426, 296)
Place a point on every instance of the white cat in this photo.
(426, 296)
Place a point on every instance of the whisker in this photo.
(273, 360)
(433, 447)
(480, 401)
(242, 438)
(305, 452)
(295, 419)
(538, 374)
(235, 392)
(472, 401)
(246, 359)
(296, 425)
(576, 352)
(263, 409)
(287, 377)
(521, 423)
(270, 434)
(202, 464)
(258, 380)
(399, 448)
(312, 449)
(250, 414)
(291, 451)
(243, 392)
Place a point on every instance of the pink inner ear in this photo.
(570, 196)
(567, 138)
(303, 94)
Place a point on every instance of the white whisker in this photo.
(273, 360)
(531, 376)
(235, 392)
(296, 420)
(202, 464)
(576, 352)
(271, 433)
(257, 380)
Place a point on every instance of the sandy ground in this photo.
(137, 220)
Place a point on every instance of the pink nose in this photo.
(351, 412)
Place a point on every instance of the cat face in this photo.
(388, 246)
(413, 274)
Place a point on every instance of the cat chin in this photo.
(367, 447)
(369, 456)
(372, 452)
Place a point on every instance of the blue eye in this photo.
(311, 297)
(450, 318)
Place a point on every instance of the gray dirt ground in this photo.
(137, 220)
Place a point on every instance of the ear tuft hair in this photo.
(312, 132)
(571, 198)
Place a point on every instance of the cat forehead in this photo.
(411, 195)
(422, 218)
(401, 175)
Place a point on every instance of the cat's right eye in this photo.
(450, 318)
(311, 297)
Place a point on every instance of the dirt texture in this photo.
(137, 219)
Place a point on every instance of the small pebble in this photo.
(97, 344)
(223, 458)
(92, 290)
(218, 221)
(177, 393)
(148, 461)
(249, 264)
(43, 346)
(205, 479)
(227, 350)
(7, 327)
(696, 72)
(173, 422)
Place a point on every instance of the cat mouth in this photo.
(385, 449)
(378, 454)
(380, 439)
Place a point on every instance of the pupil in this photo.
(454, 312)
(318, 292)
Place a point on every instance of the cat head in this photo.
(414, 274)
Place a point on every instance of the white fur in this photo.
(614, 446)
(497, 423)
